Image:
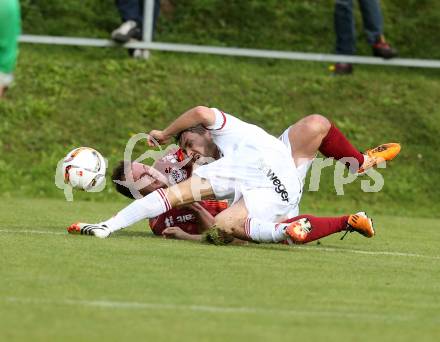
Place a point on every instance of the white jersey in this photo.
(254, 165)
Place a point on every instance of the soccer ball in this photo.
(84, 168)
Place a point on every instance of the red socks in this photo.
(337, 146)
(322, 226)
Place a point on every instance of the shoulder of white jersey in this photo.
(220, 120)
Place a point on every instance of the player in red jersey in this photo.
(186, 222)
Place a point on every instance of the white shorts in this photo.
(269, 184)
(302, 168)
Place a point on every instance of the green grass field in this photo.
(134, 286)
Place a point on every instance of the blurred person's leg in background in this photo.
(345, 27)
(9, 32)
(373, 26)
(132, 15)
(372, 18)
(345, 34)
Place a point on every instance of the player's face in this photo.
(197, 145)
(147, 178)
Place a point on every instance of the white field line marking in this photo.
(358, 251)
(107, 304)
(319, 249)
(31, 232)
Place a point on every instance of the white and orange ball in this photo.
(84, 168)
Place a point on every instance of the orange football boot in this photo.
(361, 224)
(381, 153)
(74, 228)
(298, 230)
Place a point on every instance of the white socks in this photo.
(262, 231)
(150, 206)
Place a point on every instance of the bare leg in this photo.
(235, 222)
(306, 137)
(231, 221)
(191, 190)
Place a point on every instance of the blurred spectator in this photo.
(9, 32)
(346, 35)
(132, 16)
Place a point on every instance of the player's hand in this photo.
(196, 206)
(157, 137)
(174, 233)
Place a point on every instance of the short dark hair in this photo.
(199, 129)
(119, 175)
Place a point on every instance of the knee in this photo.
(317, 123)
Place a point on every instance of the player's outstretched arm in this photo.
(179, 234)
(199, 115)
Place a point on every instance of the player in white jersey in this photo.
(250, 164)
(251, 167)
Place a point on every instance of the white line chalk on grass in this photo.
(11, 231)
(306, 248)
(123, 305)
(357, 251)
